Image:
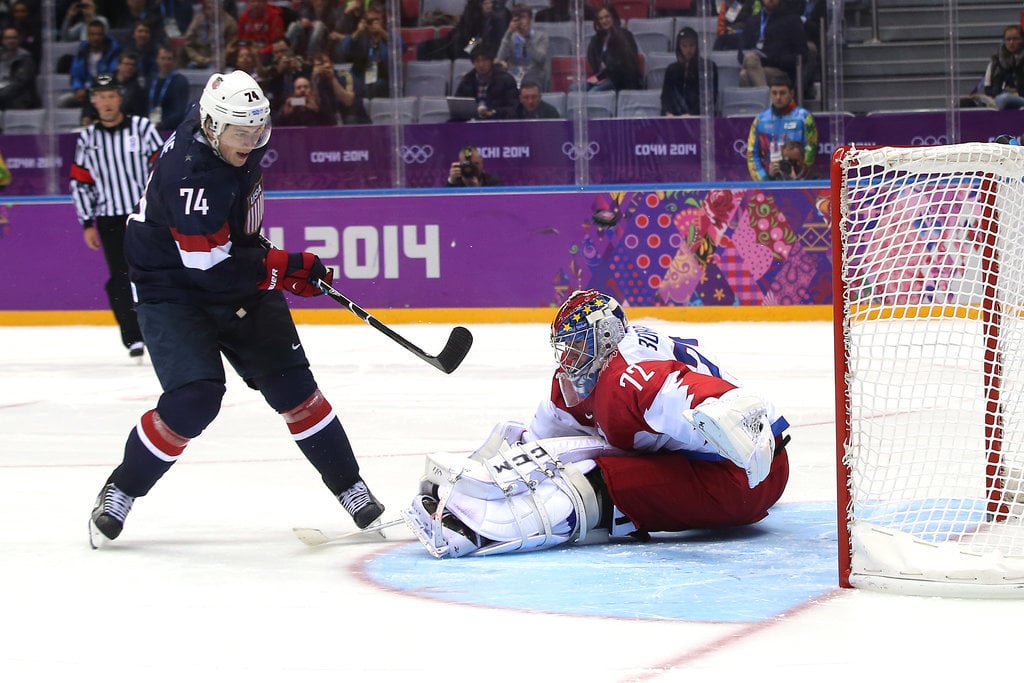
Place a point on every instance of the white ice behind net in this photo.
(923, 502)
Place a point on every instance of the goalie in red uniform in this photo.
(643, 432)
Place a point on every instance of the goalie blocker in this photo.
(508, 498)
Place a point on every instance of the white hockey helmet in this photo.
(234, 99)
(586, 331)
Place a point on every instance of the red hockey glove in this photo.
(296, 273)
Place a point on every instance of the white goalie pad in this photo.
(737, 425)
(522, 497)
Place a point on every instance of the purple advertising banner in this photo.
(522, 153)
(693, 247)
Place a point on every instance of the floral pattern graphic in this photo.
(720, 247)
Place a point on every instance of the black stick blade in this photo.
(454, 352)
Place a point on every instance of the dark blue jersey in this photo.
(193, 237)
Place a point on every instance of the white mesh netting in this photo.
(932, 268)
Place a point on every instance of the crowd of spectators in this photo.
(341, 48)
(279, 41)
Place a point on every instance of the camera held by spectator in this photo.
(787, 163)
(469, 171)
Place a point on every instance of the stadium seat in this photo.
(427, 78)
(744, 101)
(654, 71)
(599, 105)
(197, 79)
(382, 109)
(563, 72)
(411, 39)
(638, 104)
(67, 120)
(631, 9)
(561, 37)
(410, 11)
(25, 121)
(728, 68)
(556, 100)
(673, 7)
(459, 68)
(653, 35)
(432, 109)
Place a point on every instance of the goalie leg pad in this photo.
(521, 498)
(737, 425)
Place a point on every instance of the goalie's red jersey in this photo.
(673, 480)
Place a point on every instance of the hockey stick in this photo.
(451, 356)
(372, 534)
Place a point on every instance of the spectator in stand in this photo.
(771, 42)
(169, 96)
(680, 91)
(1004, 76)
(559, 11)
(278, 79)
(531, 105)
(144, 48)
(246, 59)
(336, 93)
(524, 49)
(481, 22)
(176, 16)
(308, 33)
(367, 51)
(792, 165)
(148, 11)
(76, 21)
(732, 17)
(200, 37)
(29, 25)
(133, 95)
(99, 53)
(491, 86)
(346, 21)
(302, 106)
(261, 23)
(612, 54)
(469, 171)
(17, 73)
(780, 123)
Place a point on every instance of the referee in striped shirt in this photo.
(113, 159)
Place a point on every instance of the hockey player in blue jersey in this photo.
(204, 287)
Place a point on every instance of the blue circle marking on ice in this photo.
(738, 575)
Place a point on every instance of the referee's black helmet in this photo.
(104, 82)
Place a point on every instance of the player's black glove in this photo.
(297, 273)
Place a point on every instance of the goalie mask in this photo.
(234, 99)
(585, 333)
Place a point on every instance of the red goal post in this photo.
(928, 296)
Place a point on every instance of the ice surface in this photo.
(208, 582)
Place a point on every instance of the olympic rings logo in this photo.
(930, 140)
(269, 158)
(570, 150)
(416, 154)
(739, 145)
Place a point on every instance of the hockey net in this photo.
(928, 276)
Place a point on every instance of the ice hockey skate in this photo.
(361, 504)
(136, 351)
(108, 515)
(449, 538)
